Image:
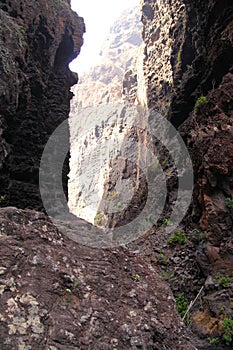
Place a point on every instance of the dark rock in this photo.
(37, 42)
(54, 293)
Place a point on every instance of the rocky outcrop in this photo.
(37, 42)
(192, 86)
(98, 119)
(118, 55)
(56, 294)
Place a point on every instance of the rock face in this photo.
(37, 42)
(192, 85)
(186, 74)
(56, 294)
(94, 118)
(118, 55)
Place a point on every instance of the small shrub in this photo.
(213, 340)
(227, 327)
(201, 101)
(224, 281)
(162, 259)
(178, 237)
(98, 219)
(166, 222)
(137, 277)
(229, 203)
(181, 304)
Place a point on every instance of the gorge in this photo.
(59, 294)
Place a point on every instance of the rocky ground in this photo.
(56, 294)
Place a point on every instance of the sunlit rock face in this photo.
(103, 83)
(99, 144)
(97, 120)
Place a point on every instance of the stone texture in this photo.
(199, 64)
(56, 294)
(37, 42)
(118, 55)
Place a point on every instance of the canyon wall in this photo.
(57, 294)
(192, 86)
(98, 118)
(103, 82)
(37, 42)
(184, 71)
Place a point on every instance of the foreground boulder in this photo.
(56, 294)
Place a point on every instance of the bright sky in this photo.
(98, 17)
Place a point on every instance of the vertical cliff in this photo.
(188, 70)
(37, 42)
(103, 83)
(97, 119)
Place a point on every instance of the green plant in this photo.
(178, 58)
(227, 327)
(98, 219)
(137, 277)
(2, 198)
(22, 31)
(178, 237)
(166, 222)
(213, 340)
(201, 101)
(119, 204)
(224, 281)
(162, 259)
(229, 202)
(181, 304)
(112, 195)
(222, 309)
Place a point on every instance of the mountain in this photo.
(103, 83)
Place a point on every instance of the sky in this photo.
(98, 17)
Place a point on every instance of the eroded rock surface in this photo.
(119, 53)
(56, 294)
(37, 42)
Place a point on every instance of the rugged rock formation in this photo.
(119, 51)
(91, 124)
(187, 76)
(56, 294)
(194, 87)
(37, 42)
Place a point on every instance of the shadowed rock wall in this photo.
(37, 42)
